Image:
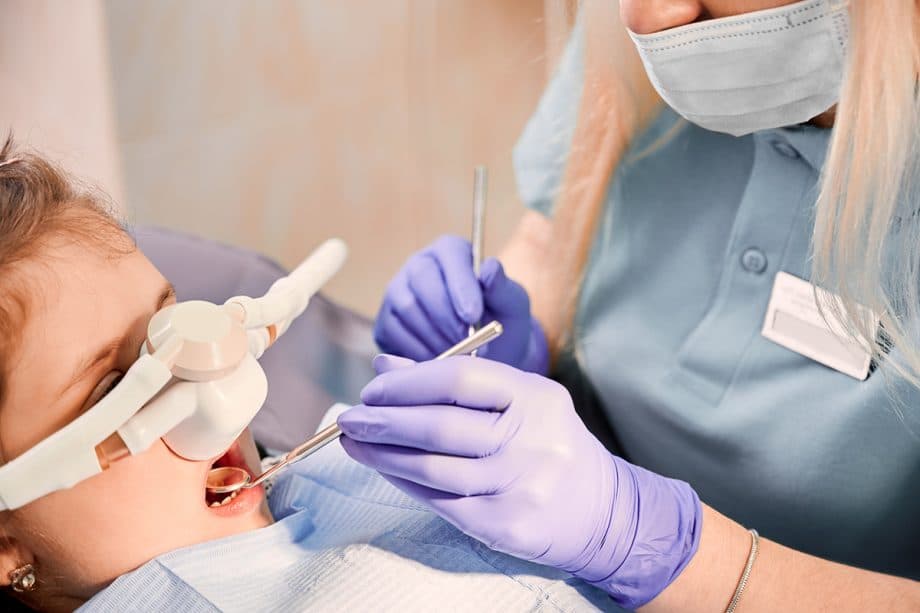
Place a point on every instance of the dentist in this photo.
(666, 272)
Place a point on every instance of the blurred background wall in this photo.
(277, 124)
(55, 86)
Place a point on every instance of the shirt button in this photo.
(754, 260)
(785, 149)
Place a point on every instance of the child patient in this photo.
(75, 299)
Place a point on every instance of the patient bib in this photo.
(345, 540)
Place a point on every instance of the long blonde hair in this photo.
(616, 102)
(866, 245)
(867, 227)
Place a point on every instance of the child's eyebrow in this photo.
(87, 363)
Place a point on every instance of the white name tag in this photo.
(794, 321)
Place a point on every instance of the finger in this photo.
(405, 305)
(437, 428)
(502, 295)
(427, 282)
(386, 362)
(393, 337)
(453, 508)
(451, 474)
(485, 518)
(455, 259)
(464, 381)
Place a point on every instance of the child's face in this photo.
(144, 505)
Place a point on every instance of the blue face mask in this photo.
(751, 72)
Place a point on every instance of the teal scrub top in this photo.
(667, 333)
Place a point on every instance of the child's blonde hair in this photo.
(38, 202)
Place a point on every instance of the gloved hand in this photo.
(501, 455)
(435, 297)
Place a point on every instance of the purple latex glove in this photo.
(435, 297)
(501, 455)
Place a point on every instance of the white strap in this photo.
(161, 415)
(69, 456)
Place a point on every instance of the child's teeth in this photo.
(226, 499)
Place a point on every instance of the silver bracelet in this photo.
(755, 538)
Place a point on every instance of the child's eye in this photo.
(106, 385)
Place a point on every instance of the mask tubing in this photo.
(288, 296)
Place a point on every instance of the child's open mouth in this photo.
(214, 499)
(243, 499)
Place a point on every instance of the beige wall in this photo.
(277, 124)
(55, 87)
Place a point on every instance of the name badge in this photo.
(794, 321)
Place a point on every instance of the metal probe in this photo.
(229, 479)
(480, 188)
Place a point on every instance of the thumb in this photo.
(385, 362)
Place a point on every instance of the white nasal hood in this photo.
(224, 407)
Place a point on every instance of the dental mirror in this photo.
(229, 479)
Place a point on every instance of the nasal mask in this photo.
(755, 71)
(196, 385)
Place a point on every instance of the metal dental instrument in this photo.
(229, 479)
(480, 186)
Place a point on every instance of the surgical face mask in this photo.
(751, 72)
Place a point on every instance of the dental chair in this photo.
(324, 358)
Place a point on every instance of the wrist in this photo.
(653, 532)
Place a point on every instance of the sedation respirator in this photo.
(197, 384)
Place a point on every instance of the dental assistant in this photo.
(747, 448)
